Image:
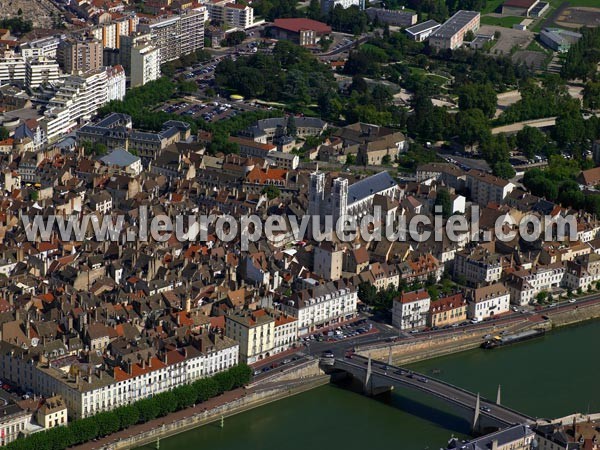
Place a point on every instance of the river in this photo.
(548, 377)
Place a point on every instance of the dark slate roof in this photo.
(420, 27)
(23, 131)
(370, 186)
(119, 157)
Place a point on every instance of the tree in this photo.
(350, 159)
(386, 160)
(495, 149)
(4, 134)
(359, 85)
(225, 381)
(472, 127)
(433, 292)
(234, 38)
(480, 96)
(84, 430)
(314, 10)
(367, 293)
(242, 375)
(541, 297)
(349, 20)
(149, 409)
(271, 192)
(531, 141)
(504, 170)
(128, 415)
(167, 402)
(591, 95)
(108, 423)
(443, 199)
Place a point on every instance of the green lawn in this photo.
(557, 3)
(506, 22)
(491, 6)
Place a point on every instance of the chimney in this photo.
(495, 444)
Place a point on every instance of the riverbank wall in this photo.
(580, 313)
(406, 352)
(302, 378)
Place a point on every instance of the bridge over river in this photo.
(378, 377)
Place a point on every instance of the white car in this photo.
(572, 300)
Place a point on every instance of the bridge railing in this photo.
(445, 383)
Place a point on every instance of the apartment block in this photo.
(177, 35)
(80, 97)
(12, 68)
(235, 15)
(411, 310)
(88, 390)
(145, 64)
(322, 305)
(41, 70)
(478, 265)
(452, 32)
(80, 55)
(46, 47)
(486, 188)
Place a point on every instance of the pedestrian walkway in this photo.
(215, 402)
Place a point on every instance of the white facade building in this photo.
(489, 301)
(89, 391)
(145, 64)
(477, 265)
(239, 16)
(322, 306)
(115, 83)
(524, 285)
(328, 5)
(79, 98)
(177, 35)
(41, 70)
(410, 310)
(12, 68)
(45, 47)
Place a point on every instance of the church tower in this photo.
(316, 193)
(339, 199)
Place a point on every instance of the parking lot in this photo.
(508, 39)
(340, 333)
(210, 112)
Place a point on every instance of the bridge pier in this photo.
(476, 421)
(369, 387)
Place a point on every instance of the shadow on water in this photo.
(416, 404)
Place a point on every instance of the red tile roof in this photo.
(297, 25)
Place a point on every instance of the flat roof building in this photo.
(451, 34)
(422, 31)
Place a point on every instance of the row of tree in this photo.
(160, 405)
(583, 57)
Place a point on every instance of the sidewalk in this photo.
(227, 397)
